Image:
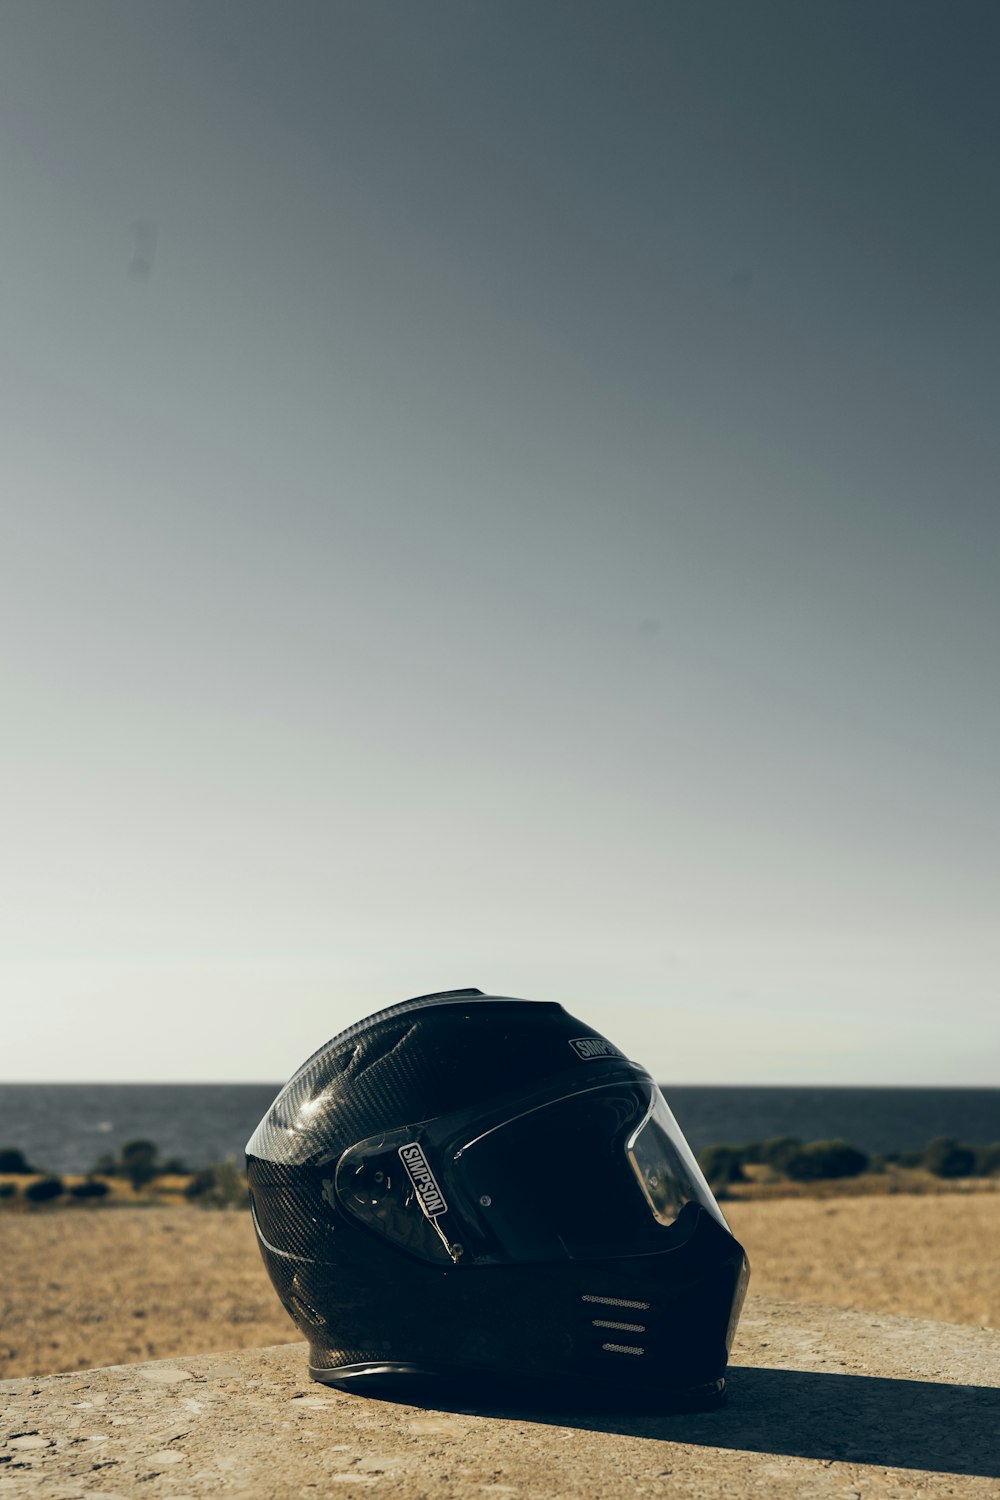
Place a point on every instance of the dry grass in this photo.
(925, 1256)
(762, 1182)
(91, 1286)
(99, 1286)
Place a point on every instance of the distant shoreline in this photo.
(172, 1190)
(67, 1128)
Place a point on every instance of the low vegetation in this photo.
(13, 1162)
(90, 1187)
(221, 1186)
(136, 1174)
(825, 1159)
(44, 1189)
(785, 1158)
(139, 1163)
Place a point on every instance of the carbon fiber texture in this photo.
(417, 1061)
(654, 1324)
(360, 1299)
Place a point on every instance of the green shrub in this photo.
(173, 1167)
(904, 1158)
(90, 1188)
(201, 1183)
(139, 1163)
(988, 1160)
(105, 1166)
(44, 1189)
(722, 1164)
(220, 1186)
(775, 1152)
(825, 1159)
(946, 1157)
(8, 1189)
(13, 1161)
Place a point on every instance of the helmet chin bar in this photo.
(380, 1311)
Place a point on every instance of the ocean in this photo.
(66, 1127)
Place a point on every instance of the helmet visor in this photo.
(600, 1173)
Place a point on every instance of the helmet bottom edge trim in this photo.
(401, 1379)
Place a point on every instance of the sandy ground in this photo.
(84, 1287)
(922, 1256)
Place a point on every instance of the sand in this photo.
(97, 1286)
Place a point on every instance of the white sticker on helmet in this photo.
(594, 1046)
(429, 1195)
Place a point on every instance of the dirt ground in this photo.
(922, 1256)
(97, 1286)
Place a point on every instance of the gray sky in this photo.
(500, 494)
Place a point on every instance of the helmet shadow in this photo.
(906, 1424)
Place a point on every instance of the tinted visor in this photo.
(599, 1173)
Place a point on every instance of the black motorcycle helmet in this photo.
(470, 1185)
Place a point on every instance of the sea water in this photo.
(66, 1127)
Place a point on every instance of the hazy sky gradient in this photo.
(501, 494)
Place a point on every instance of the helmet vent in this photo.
(621, 1327)
(615, 1302)
(623, 1349)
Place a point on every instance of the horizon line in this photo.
(269, 1083)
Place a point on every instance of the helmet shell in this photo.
(657, 1323)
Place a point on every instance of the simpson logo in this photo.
(429, 1195)
(594, 1046)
